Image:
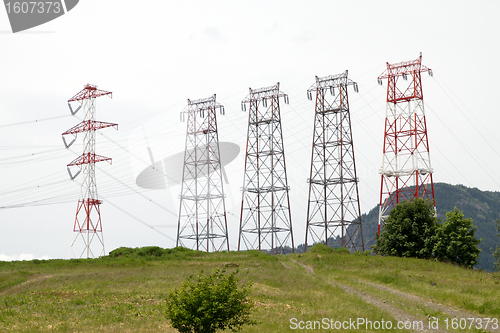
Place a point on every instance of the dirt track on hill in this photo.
(398, 313)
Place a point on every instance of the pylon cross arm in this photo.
(89, 91)
(87, 158)
(89, 125)
(404, 68)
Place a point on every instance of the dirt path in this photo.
(451, 312)
(18, 287)
(308, 269)
(399, 314)
(396, 313)
(419, 323)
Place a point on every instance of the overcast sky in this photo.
(154, 55)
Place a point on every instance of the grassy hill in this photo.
(127, 293)
(482, 206)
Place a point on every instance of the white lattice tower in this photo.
(202, 221)
(333, 211)
(265, 219)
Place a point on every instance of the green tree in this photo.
(409, 230)
(496, 253)
(455, 240)
(213, 303)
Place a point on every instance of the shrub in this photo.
(150, 251)
(363, 253)
(412, 230)
(496, 252)
(213, 303)
(409, 230)
(320, 248)
(121, 252)
(342, 250)
(455, 240)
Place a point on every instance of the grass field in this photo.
(127, 293)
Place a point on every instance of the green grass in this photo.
(126, 291)
(472, 290)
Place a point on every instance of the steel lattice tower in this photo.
(202, 212)
(333, 206)
(406, 166)
(265, 220)
(88, 214)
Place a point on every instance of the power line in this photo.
(138, 219)
(33, 121)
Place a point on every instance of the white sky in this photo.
(153, 55)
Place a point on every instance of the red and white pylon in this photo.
(87, 223)
(406, 171)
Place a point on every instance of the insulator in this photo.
(71, 109)
(405, 77)
(431, 74)
(243, 107)
(379, 81)
(180, 116)
(332, 91)
(264, 102)
(71, 176)
(68, 145)
(309, 95)
(222, 110)
(287, 100)
(202, 113)
(356, 88)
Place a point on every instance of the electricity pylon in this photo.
(333, 209)
(202, 221)
(88, 214)
(265, 219)
(406, 171)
